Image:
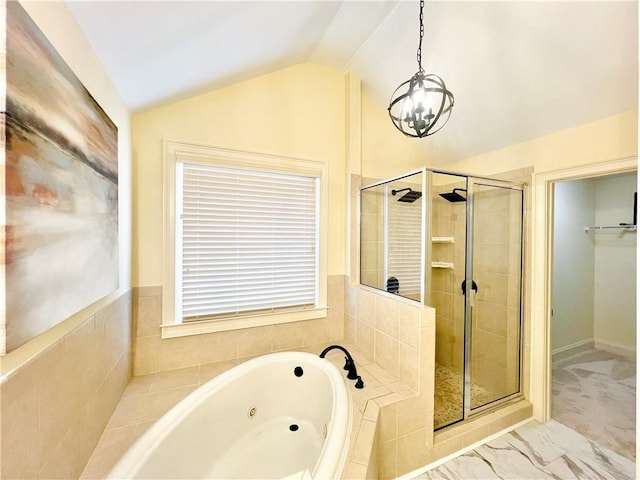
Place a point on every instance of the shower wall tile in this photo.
(54, 408)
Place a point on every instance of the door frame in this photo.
(542, 271)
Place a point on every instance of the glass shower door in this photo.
(448, 214)
(494, 294)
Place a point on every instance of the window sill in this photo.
(173, 330)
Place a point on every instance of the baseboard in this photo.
(616, 348)
(572, 349)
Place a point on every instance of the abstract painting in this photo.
(61, 187)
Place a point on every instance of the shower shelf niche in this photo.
(442, 239)
(442, 265)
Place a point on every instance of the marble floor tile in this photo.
(536, 451)
(594, 393)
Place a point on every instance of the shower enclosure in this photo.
(454, 242)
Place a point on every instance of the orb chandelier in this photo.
(422, 105)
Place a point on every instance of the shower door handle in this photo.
(474, 286)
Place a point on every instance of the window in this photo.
(244, 242)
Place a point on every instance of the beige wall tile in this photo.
(146, 355)
(55, 408)
(409, 325)
(387, 316)
(255, 341)
(336, 327)
(388, 422)
(316, 331)
(427, 317)
(387, 353)
(351, 298)
(364, 340)
(363, 448)
(412, 451)
(413, 413)
(366, 307)
(409, 367)
(77, 337)
(335, 293)
(354, 471)
(178, 352)
(20, 436)
(388, 460)
(149, 316)
(427, 348)
(217, 347)
(350, 329)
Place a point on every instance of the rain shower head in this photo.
(409, 197)
(453, 196)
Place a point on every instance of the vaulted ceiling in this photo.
(518, 69)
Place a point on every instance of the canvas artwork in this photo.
(61, 187)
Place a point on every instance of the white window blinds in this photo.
(247, 240)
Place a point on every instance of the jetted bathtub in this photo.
(280, 415)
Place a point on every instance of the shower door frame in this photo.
(472, 182)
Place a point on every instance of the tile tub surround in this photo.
(153, 354)
(148, 397)
(594, 393)
(55, 407)
(536, 451)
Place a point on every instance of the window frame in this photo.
(176, 152)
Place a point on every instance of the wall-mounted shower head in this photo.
(409, 197)
(454, 196)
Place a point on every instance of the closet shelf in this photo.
(610, 227)
(442, 265)
(442, 240)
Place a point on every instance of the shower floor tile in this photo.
(594, 393)
(448, 396)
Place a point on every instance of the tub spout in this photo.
(349, 364)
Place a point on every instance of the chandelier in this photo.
(422, 105)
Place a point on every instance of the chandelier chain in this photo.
(419, 53)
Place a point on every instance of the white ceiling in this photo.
(518, 69)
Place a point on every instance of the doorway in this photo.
(593, 305)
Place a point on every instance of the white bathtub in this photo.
(242, 424)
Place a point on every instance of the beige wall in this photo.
(605, 139)
(573, 263)
(615, 265)
(295, 112)
(386, 152)
(59, 389)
